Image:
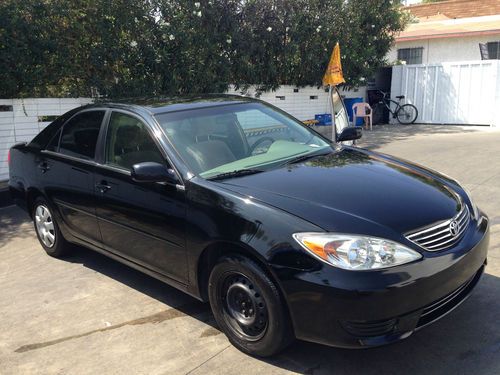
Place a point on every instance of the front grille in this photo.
(447, 303)
(369, 329)
(444, 234)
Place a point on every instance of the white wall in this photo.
(22, 123)
(300, 104)
(451, 93)
(446, 49)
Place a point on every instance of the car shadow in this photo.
(468, 338)
(168, 295)
(384, 134)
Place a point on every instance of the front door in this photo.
(143, 222)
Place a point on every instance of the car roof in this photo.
(166, 105)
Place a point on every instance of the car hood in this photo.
(354, 186)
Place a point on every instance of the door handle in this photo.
(103, 186)
(44, 166)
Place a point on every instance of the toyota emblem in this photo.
(454, 228)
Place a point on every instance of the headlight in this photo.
(353, 252)
(475, 211)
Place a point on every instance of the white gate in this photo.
(451, 93)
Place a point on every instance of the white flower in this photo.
(197, 5)
(373, 26)
(318, 29)
(171, 37)
(229, 41)
(269, 29)
(287, 29)
(199, 14)
(133, 43)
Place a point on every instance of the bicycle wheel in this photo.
(407, 114)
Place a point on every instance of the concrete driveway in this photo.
(91, 315)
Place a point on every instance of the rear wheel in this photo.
(47, 230)
(407, 114)
(248, 308)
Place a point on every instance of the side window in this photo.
(54, 142)
(128, 142)
(79, 135)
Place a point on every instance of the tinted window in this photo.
(128, 142)
(54, 142)
(79, 135)
(47, 134)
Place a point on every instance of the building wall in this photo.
(446, 49)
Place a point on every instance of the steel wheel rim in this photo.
(45, 226)
(244, 308)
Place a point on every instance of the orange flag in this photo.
(333, 75)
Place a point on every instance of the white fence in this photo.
(451, 93)
(22, 119)
(302, 103)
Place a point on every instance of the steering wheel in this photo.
(259, 142)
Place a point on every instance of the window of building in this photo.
(493, 50)
(411, 55)
(79, 135)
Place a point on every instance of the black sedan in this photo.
(287, 234)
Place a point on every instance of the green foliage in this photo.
(124, 48)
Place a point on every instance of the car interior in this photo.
(207, 142)
(129, 143)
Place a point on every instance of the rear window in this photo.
(79, 135)
(45, 136)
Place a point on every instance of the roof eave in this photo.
(446, 35)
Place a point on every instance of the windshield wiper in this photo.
(236, 173)
(300, 158)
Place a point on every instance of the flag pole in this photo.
(334, 129)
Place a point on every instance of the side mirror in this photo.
(350, 134)
(153, 172)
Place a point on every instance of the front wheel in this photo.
(247, 306)
(407, 114)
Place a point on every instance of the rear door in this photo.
(66, 171)
(143, 222)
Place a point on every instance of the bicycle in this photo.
(405, 114)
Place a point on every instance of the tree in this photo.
(127, 48)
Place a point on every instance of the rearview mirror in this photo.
(350, 134)
(153, 172)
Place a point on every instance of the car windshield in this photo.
(222, 140)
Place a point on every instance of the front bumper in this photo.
(355, 309)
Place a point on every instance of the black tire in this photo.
(47, 228)
(407, 114)
(248, 308)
